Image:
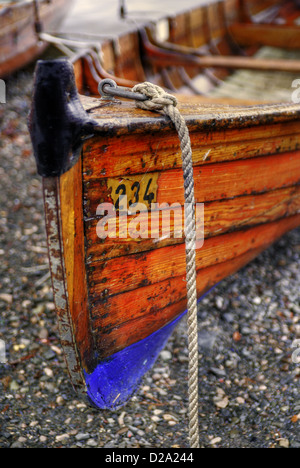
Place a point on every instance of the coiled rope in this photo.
(160, 101)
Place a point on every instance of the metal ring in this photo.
(108, 89)
(102, 84)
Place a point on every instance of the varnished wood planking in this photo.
(220, 217)
(72, 228)
(157, 304)
(197, 29)
(122, 58)
(216, 21)
(57, 263)
(145, 291)
(109, 158)
(116, 324)
(198, 26)
(180, 27)
(134, 271)
(213, 182)
(232, 179)
(130, 306)
(225, 173)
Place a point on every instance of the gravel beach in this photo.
(248, 327)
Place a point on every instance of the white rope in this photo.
(160, 101)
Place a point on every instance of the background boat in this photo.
(20, 25)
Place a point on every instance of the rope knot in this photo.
(157, 100)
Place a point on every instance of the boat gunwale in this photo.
(214, 117)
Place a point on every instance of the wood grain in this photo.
(219, 217)
(59, 281)
(72, 229)
(109, 158)
(213, 182)
(134, 271)
(123, 319)
(249, 182)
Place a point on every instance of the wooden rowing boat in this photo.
(20, 25)
(119, 295)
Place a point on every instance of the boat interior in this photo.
(233, 50)
(245, 50)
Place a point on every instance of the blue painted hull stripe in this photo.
(115, 379)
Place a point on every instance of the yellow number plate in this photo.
(136, 189)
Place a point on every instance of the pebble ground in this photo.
(248, 327)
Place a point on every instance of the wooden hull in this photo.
(19, 42)
(119, 294)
